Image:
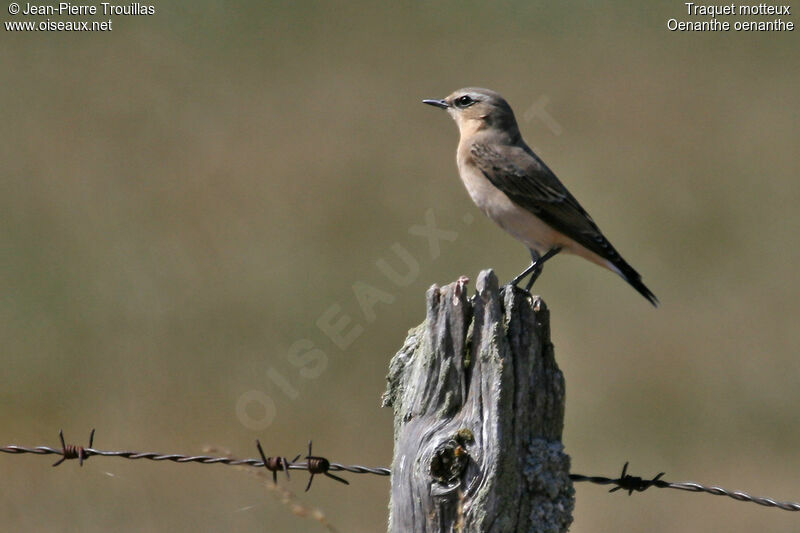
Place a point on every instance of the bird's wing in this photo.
(527, 181)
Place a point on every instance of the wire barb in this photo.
(274, 464)
(634, 483)
(319, 465)
(72, 451)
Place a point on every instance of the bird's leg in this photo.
(531, 268)
(539, 265)
(534, 277)
(522, 275)
(535, 268)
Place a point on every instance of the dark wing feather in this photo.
(529, 183)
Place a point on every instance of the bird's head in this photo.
(476, 109)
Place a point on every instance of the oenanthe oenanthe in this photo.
(515, 188)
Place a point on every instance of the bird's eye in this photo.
(464, 101)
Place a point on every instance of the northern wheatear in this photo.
(513, 187)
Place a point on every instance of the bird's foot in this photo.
(512, 287)
(534, 276)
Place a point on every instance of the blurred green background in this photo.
(184, 197)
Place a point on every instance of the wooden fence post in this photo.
(478, 412)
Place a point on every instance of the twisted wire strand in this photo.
(736, 495)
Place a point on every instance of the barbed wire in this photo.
(318, 465)
(637, 484)
(313, 464)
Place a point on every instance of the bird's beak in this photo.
(437, 103)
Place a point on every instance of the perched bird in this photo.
(513, 187)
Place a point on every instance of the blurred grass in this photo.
(183, 197)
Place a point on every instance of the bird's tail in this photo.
(633, 278)
(642, 289)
